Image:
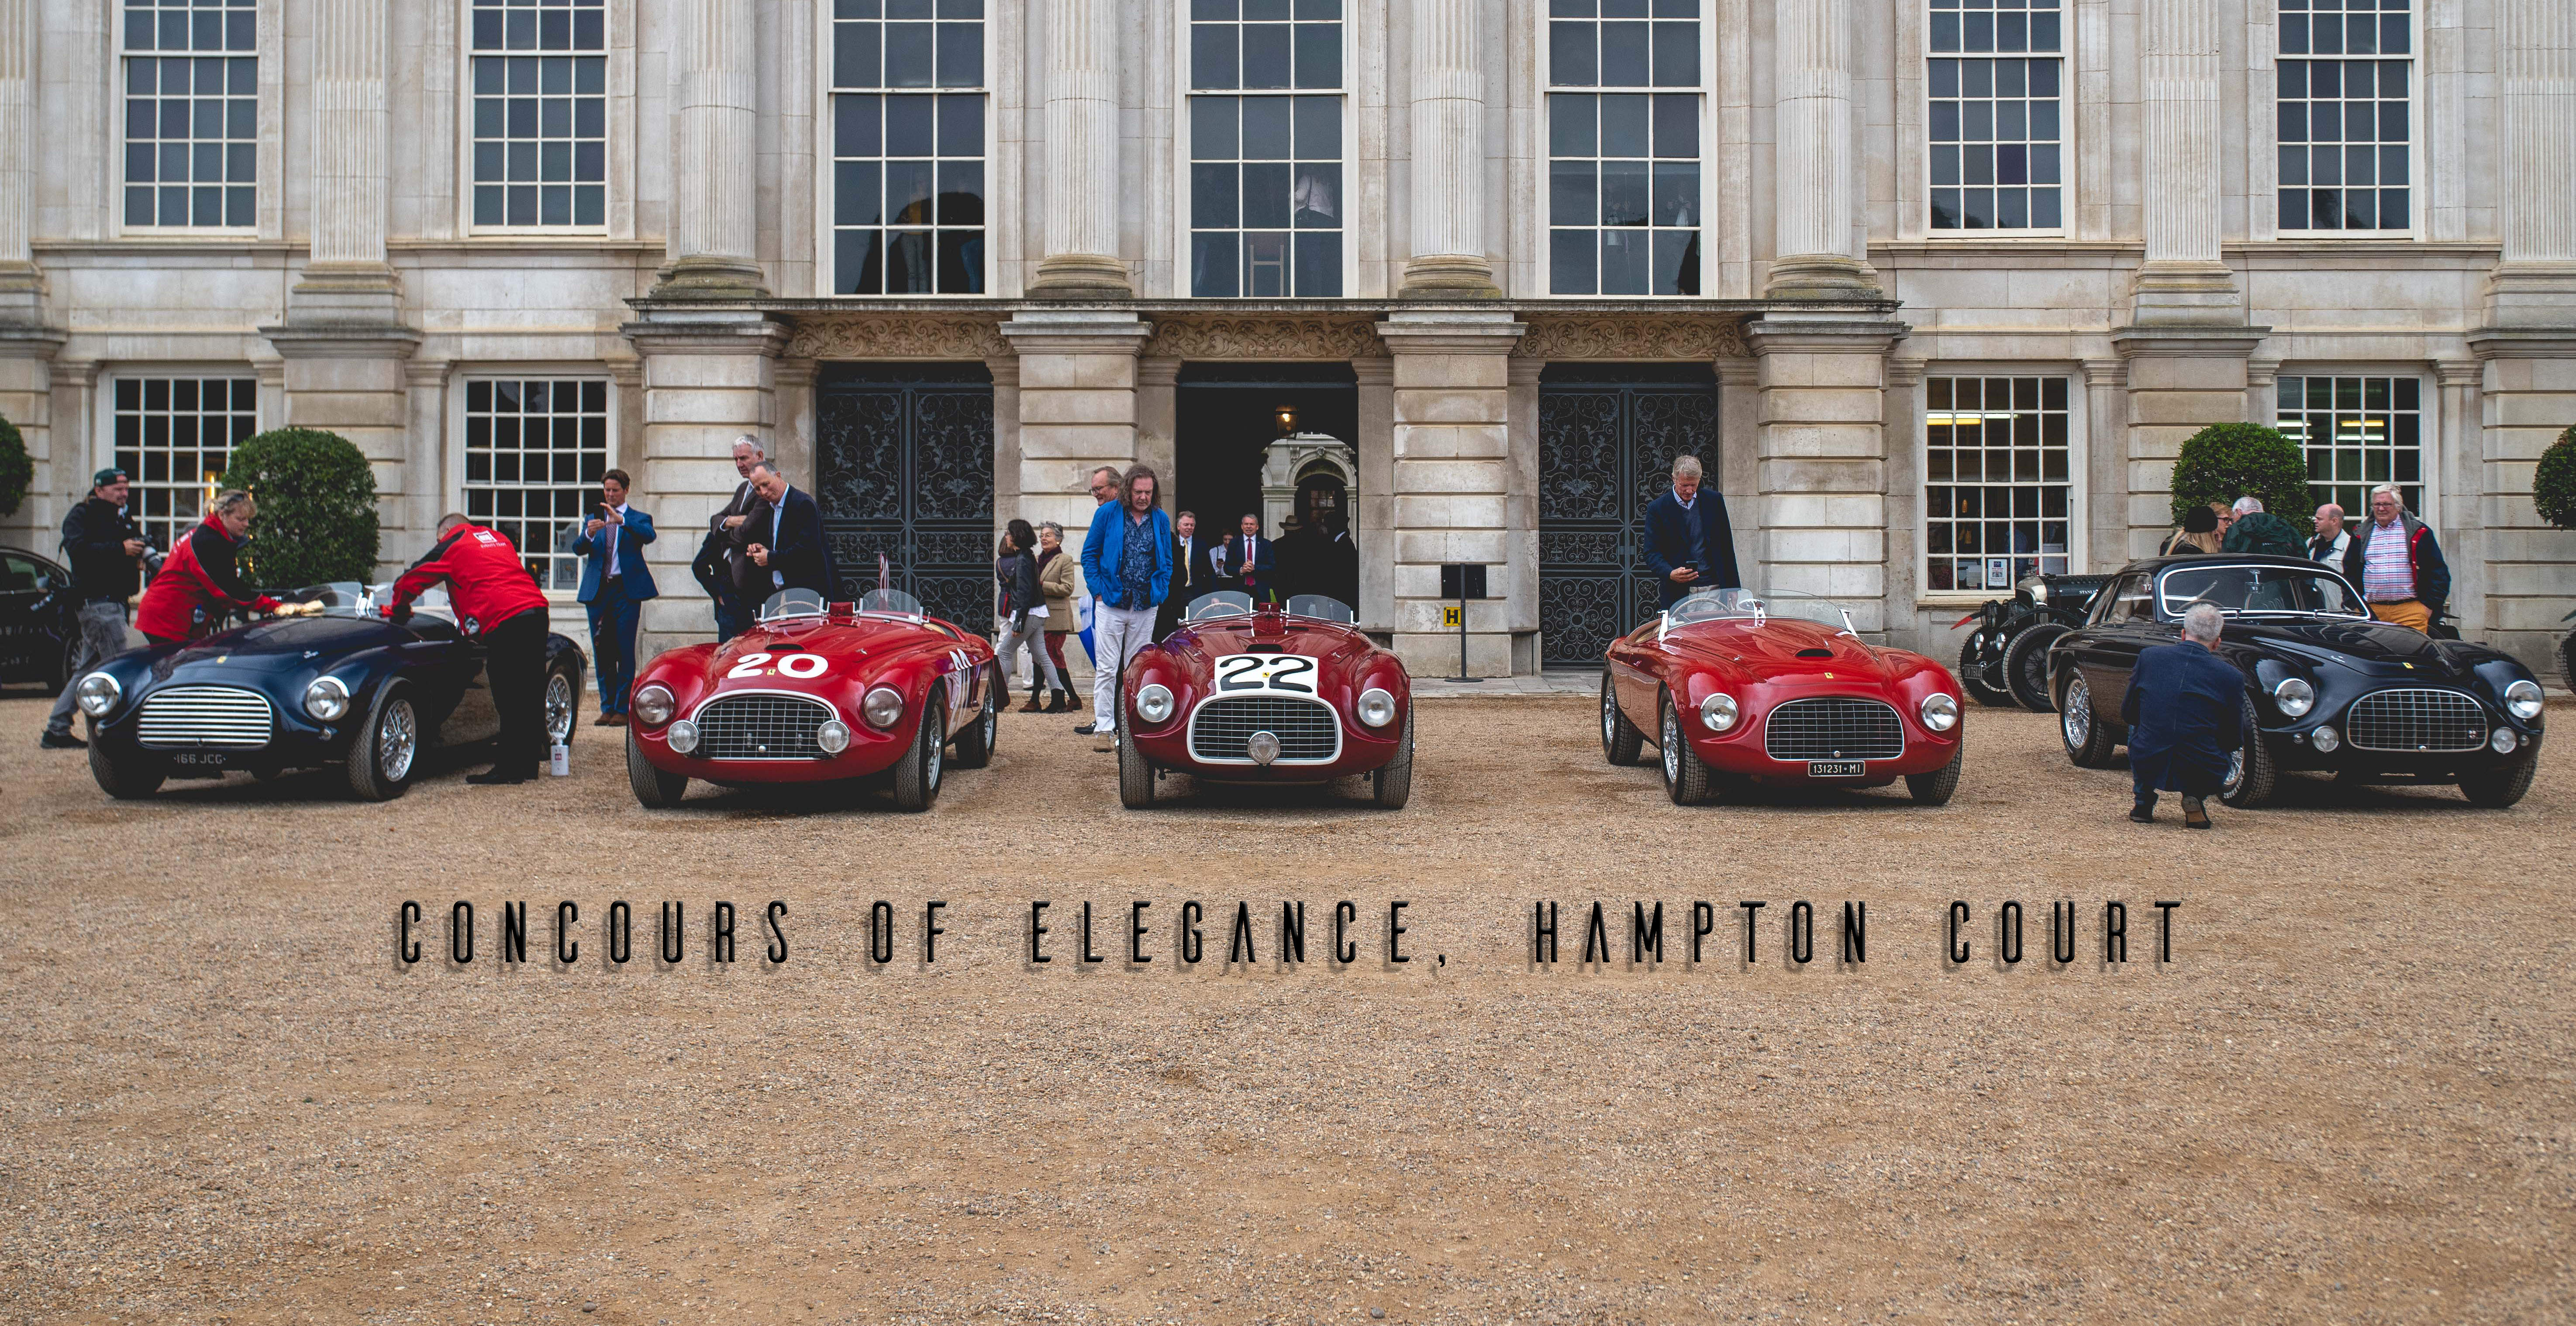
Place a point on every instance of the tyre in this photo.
(2026, 666)
(975, 740)
(1621, 742)
(563, 703)
(61, 675)
(1686, 777)
(1936, 787)
(387, 747)
(1136, 787)
(916, 775)
(2502, 785)
(1392, 785)
(2567, 660)
(126, 778)
(1972, 672)
(2253, 774)
(2087, 738)
(654, 789)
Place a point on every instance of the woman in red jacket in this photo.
(199, 586)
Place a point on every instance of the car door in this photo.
(1635, 673)
(24, 631)
(2105, 649)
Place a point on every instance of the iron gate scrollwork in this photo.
(1607, 437)
(903, 459)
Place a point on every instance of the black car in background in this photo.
(2327, 687)
(346, 687)
(39, 622)
(2005, 660)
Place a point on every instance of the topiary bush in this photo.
(2224, 462)
(2553, 485)
(16, 471)
(317, 508)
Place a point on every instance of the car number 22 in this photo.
(1292, 673)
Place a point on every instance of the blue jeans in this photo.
(613, 619)
(102, 637)
(728, 615)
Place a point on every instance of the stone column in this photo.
(1375, 527)
(2106, 465)
(1822, 460)
(714, 232)
(707, 378)
(1078, 374)
(1814, 169)
(1082, 178)
(1451, 480)
(1904, 503)
(1006, 442)
(1521, 513)
(1448, 166)
(1737, 474)
(1158, 409)
(22, 289)
(2182, 282)
(2458, 514)
(2535, 284)
(2181, 380)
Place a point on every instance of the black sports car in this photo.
(2327, 687)
(39, 628)
(343, 687)
(2005, 660)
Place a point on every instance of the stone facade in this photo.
(365, 290)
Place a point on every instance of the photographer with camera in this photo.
(107, 551)
(1688, 542)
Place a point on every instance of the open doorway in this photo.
(1226, 415)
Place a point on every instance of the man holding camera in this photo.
(107, 550)
(1688, 542)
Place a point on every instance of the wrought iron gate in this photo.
(1607, 437)
(903, 459)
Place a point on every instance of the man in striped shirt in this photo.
(2398, 564)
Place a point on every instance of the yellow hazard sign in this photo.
(1451, 616)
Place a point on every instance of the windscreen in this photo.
(2258, 591)
(1322, 607)
(891, 602)
(792, 603)
(1222, 603)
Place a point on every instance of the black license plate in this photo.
(199, 759)
(1835, 768)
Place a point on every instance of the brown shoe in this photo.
(609, 720)
(1105, 740)
(2194, 814)
(1033, 707)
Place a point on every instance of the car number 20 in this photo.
(1293, 673)
(790, 665)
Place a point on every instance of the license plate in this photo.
(1835, 768)
(208, 759)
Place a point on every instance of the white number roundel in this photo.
(803, 666)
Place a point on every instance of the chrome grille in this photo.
(226, 716)
(2416, 721)
(1308, 730)
(1835, 727)
(760, 726)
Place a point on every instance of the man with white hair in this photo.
(2184, 710)
(2255, 530)
(1688, 544)
(720, 561)
(2398, 564)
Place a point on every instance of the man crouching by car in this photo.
(497, 602)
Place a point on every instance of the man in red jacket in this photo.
(498, 603)
(199, 586)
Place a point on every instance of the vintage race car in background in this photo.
(1269, 695)
(1734, 689)
(2327, 687)
(343, 686)
(815, 693)
(2004, 661)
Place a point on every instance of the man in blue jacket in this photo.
(1127, 562)
(1688, 543)
(2185, 715)
(614, 584)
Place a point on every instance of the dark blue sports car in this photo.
(343, 687)
(38, 631)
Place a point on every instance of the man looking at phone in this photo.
(1688, 542)
(614, 584)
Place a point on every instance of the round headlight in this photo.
(2325, 738)
(1376, 708)
(2504, 741)
(653, 705)
(99, 694)
(833, 736)
(2522, 700)
(883, 707)
(1154, 702)
(327, 699)
(684, 736)
(1940, 712)
(1719, 712)
(2294, 697)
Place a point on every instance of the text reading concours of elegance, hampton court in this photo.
(1555, 662)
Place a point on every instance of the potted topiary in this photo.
(2224, 462)
(317, 508)
(16, 471)
(2553, 491)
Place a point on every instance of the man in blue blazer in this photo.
(614, 584)
(1127, 562)
(1688, 542)
(784, 540)
(2185, 711)
(1252, 562)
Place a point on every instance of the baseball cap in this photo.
(107, 476)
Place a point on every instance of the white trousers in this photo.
(1116, 635)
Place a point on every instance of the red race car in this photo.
(817, 693)
(1267, 695)
(1738, 689)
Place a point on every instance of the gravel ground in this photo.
(2345, 1099)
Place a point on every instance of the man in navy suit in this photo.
(1688, 542)
(1252, 562)
(784, 539)
(614, 584)
(2185, 715)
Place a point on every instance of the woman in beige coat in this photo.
(1059, 579)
